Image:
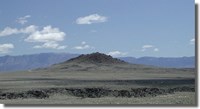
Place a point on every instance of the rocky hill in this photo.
(96, 58)
(92, 62)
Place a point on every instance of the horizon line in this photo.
(95, 52)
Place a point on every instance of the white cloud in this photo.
(5, 48)
(116, 53)
(52, 45)
(151, 47)
(29, 29)
(23, 20)
(192, 41)
(83, 46)
(47, 45)
(94, 18)
(48, 34)
(8, 31)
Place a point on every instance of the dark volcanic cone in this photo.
(93, 62)
(96, 58)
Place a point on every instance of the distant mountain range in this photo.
(169, 62)
(28, 62)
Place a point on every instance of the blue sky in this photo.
(160, 28)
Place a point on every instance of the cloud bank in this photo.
(48, 35)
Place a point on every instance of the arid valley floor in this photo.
(99, 79)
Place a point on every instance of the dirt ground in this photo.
(179, 98)
(119, 78)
